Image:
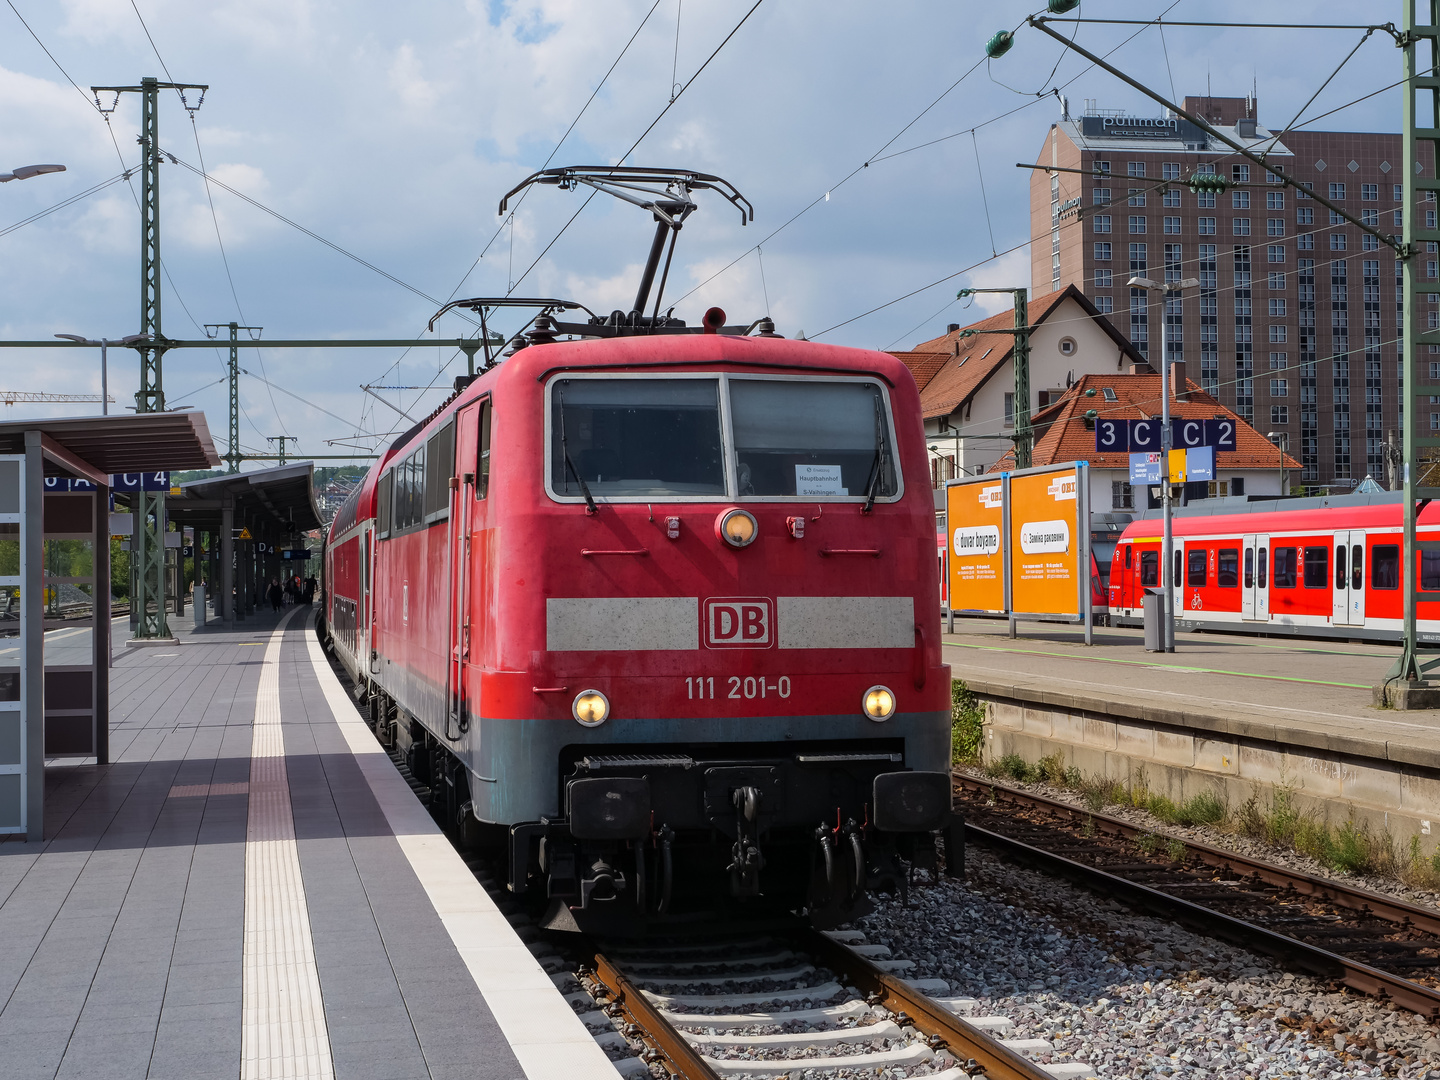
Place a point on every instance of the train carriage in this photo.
(1328, 571)
(661, 609)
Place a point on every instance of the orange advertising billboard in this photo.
(974, 514)
(1047, 538)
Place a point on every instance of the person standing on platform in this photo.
(309, 591)
(276, 596)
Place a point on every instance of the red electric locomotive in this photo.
(1322, 571)
(657, 605)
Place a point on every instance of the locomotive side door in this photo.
(462, 504)
(1247, 576)
(1348, 598)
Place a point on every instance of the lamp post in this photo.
(1167, 543)
(104, 344)
(25, 172)
(1280, 438)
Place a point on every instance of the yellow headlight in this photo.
(879, 703)
(737, 528)
(591, 708)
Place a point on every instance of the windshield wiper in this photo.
(877, 470)
(590, 507)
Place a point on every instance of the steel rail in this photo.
(1290, 951)
(944, 1029)
(678, 1056)
(1364, 901)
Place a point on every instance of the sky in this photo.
(876, 143)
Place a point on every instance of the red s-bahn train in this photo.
(1323, 571)
(659, 608)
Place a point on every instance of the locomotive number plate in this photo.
(703, 687)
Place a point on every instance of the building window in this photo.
(1170, 170)
(1205, 200)
(1100, 168)
(1100, 223)
(1399, 219)
(1303, 190)
(1104, 304)
(1430, 268)
(1399, 192)
(1278, 361)
(1336, 218)
(1104, 279)
(1305, 242)
(1100, 196)
(1137, 223)
(1242, 226)
(1137, 196)
(1337, 241)
(1240, 200)
(1369, 243)
(1304, 215)
(1207, 226)
(1240, 174)
(1279, 388)
(1102, 252)
(1275, 226)
(1172, 225)
(1135, 168)
(1337, 192)
(1274, 200)
(1277, 307)
(1434, 370)
(1170, 197)
(1370, 217)
(1276, 278)
(1275, 253)
(1279, 414)
(1435, 421)
(1121, 496)
(1369, 192)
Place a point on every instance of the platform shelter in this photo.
(55, 587)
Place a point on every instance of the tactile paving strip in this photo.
(282, 1013)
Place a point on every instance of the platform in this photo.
(1232, 712)
(250, 889)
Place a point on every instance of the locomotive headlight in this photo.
(736, 527)
(878, 703)
(591, 708)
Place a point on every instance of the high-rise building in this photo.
(1295, 323)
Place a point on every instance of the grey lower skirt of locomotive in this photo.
(653, 834)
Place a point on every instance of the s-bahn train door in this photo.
(1262, 578)
(1247, 576)
(1177, 579)
(1348, 598)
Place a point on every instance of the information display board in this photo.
(975, 516)
(1019, 544)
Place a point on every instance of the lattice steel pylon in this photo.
(1420, 46)
(148, 539)
(234, 456)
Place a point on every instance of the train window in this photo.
(806, 438)
(1175, 575)
(1285, 561)
(1357, 566)
(383, 500)
(1195, 571)
(1340, 566)
(1149, 568)
(482, 463)
(439, 468)
(1385, 566)
(636, 437)
(1430, 571)
(1127, 556)
(409, 494)
(1249, 568)
(1317, 567)
(1227, 574)
(1261, 564)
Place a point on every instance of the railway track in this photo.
(792, 1001)
(1372, 943)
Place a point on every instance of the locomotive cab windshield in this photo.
(731, 437)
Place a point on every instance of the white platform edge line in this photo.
(544, 1033)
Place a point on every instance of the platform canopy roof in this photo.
(284, 494)
(140, 442)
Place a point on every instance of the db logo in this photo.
(739, 622)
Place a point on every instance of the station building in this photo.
(1274, 330)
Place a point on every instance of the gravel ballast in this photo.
(1134, 996)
